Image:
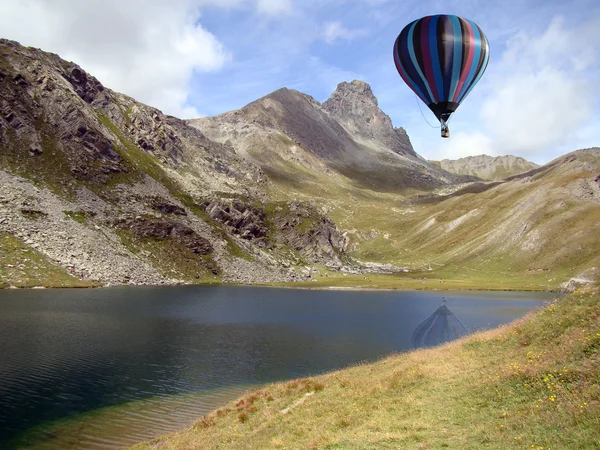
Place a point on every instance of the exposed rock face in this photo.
(166, 229)
(294, 225)
(243, 220)
(43, 116)
(167, 208)
(313, 236)
(52, 110)
(357, 109)
(488, 167)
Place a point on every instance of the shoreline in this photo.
(303, 287)
(490, 410)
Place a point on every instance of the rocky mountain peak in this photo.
(356, 90)
(355, 106)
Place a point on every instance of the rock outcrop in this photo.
(357, 109)
(292, 225)
(242, 219)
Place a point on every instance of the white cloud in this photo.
(542, 91)
(532, 111)
(335, 30)
(148, 49)
(274, 7)
(463, 144)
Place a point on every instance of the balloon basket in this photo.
(445, 130)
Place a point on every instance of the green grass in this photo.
(531, 384)
(23, 266)
(445, 280)
(50, 169)
(172, 259)
(391, 228)
(77, 216)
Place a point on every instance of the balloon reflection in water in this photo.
(441, 326)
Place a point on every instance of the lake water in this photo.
(99, 368)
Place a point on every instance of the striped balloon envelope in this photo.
(441, 58)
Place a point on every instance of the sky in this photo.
(539, 97)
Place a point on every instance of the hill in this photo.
(487, 167)
(101, 187)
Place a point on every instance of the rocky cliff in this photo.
(357, 110)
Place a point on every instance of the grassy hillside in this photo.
(23, 266)
(531, 384)
(536, 229)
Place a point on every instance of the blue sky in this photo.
(538, 98)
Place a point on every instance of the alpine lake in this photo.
(106, 368)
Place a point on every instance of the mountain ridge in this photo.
(286, 189)
(374, 155)
(490, 168)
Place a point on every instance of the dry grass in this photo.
(531, 384)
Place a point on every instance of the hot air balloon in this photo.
(441, 58)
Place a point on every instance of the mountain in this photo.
(487, 167)
(97, 186)
(294, 138)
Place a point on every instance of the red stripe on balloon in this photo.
(427, 57)
(470, 56)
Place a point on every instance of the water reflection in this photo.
(441, 326)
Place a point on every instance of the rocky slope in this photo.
(357, 109)
(290, 134)
(111, 188)
(487, 167)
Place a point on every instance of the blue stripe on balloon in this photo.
(409, 67)
(411, 83)
(417, 90)
(447, 49)
(474, 62)
(457, 62)
(411, 50)
(435, 59)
